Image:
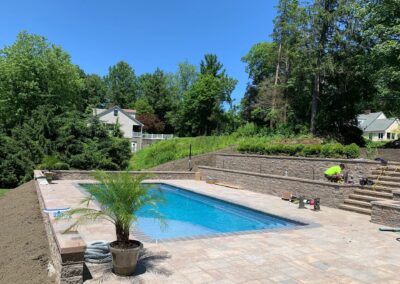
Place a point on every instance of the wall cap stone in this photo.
(282, 177)
(361, 161)
(131, 172)
(387, 203)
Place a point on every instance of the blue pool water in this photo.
(188, 214)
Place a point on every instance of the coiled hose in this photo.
(98, 252)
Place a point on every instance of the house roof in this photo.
(133, 111)
(380, 125)
(365, 120)
(102, 112)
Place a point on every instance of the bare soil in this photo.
(24, 250)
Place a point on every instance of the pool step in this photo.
(356, 209)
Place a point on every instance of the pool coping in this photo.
(301, 223)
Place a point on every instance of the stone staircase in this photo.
(385, 180)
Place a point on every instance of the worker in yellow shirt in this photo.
(334, 174)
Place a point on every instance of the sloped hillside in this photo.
(23, 242)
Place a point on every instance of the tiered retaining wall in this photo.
(331, 194)
(301, 167)
(198, 160)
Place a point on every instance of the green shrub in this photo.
(352, 151)
(60, 166)
(16, 166)
(313, 150)
(247, 130)
(332, 150)
(48, 162)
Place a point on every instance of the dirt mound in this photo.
(23, 242)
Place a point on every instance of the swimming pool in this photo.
(189, 214)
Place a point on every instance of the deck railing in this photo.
(153, 136)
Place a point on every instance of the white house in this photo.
(130, 126)
(377, 127)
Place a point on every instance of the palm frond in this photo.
(120, 196)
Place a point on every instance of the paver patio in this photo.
(345, 248)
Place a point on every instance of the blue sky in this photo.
(147, 34)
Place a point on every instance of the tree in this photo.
(157, 90)
(94, 91)
(15, 164)
(380, 36)
(121, 84)
(186, 76)
(211, 66)
(142, 106)
(323, 17)
(34, 73)
(202, 110)
(256, 102)
(152, 124)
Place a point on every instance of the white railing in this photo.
(153, 136)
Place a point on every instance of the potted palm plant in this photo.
(120, 196)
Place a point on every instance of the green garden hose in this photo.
(389, 230)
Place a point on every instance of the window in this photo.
(371, 136)
(393, 136)
(388, 135)
(115, 112)
(380, 135)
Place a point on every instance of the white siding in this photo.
(391, 129)
(125, 122)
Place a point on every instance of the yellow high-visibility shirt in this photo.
(335, 170)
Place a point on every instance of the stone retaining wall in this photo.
(301, 167)
(387, 154)
(198, 160)
(331, 194)
(68, 262)
(386, 213)
(82, 175)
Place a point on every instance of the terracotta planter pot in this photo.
(125, 260)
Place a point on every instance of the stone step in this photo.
(390, 174)
(390, 184)
(374, 193)
(359, 203)
(389, 168)
(355, 209)
(366, 198)
(386, 178)
(377, 187)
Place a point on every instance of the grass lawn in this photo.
(3, 191)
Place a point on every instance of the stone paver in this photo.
(345, 248)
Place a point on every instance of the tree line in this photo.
(328, 61)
